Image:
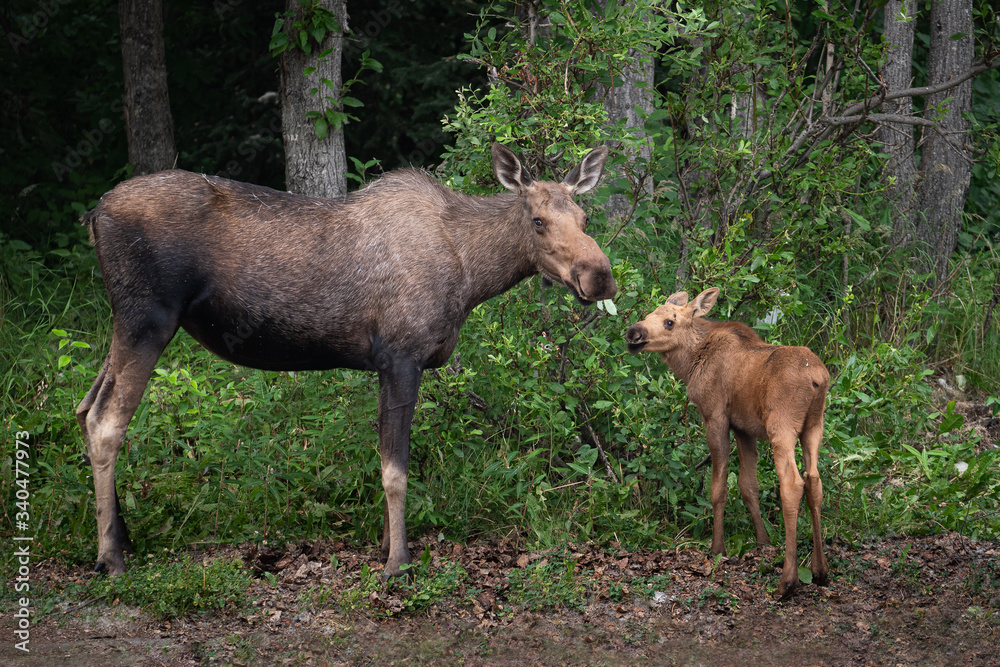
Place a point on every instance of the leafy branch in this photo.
(307, 33)
(331, 113)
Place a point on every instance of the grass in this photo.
(424, 587)
(547, 583)
(180, 588)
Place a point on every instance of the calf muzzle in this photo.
(636, 337)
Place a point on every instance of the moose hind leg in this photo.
(746, 446)
(105, 420)
(790, 482)
(82, 411)
(811, 437)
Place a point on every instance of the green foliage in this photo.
(422, 587)
(647, 586)
(332, 113)
(170, 590)
(306, 32)
(425, 588)
(546, 584)
(712, 596)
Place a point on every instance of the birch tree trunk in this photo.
(945, 169)
(149, 125)
(313, 166)
(897, 138)
(636, 90)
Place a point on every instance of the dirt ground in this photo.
(907, 601)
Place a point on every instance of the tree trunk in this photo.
(313, 166)
(944, 166)
(897, 138)
(620, 102)
(148, 122)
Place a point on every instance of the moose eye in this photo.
(669, 324)
(538, 224)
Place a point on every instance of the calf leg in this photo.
(746, 446)
(783, 443)
(811, 437)
(399, 382)
(104, 415)
(717, 432)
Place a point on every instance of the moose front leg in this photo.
(399, 382)
(717, 432)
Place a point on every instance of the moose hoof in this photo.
(107, 567)
(396, 570)
(821, 579)
(785, 591)
(102, 569)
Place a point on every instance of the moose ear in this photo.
(678, 299)
(585, 175)
(704, 301)
(508, 169)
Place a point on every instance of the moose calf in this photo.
(740, 383)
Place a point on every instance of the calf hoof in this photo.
(821, 579)
(785, 590)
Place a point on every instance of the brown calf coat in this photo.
(760, 392)
(381, 280)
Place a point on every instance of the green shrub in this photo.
(169, 590)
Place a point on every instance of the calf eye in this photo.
(538, 224)
(668, 324)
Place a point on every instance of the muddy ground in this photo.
(907, 601)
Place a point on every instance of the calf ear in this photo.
(704, 301)
(585, 175)
(508, 169)
(678, 299)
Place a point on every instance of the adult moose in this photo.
(381, 280)
(759, 391)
